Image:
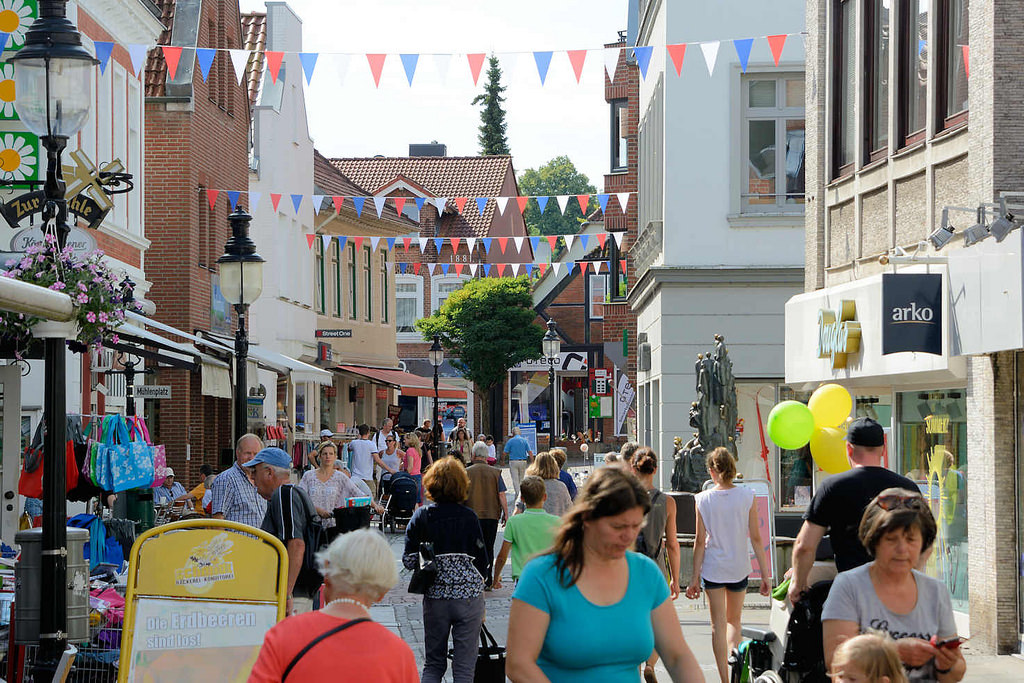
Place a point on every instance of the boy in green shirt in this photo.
(529, 533)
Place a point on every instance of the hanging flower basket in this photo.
(94, 289)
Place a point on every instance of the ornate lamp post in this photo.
(552, 347)
(436, 354)
(53, 78)
(241, 283)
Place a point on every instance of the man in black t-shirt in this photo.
(839, 503)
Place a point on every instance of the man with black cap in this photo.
(839, 503)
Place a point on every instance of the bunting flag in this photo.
(585, 239)
(254, 201)
(577, 59)
(543, 268)
(622, 265)
(239, 58)
(569, 239)
(518, 241)
(440, 203)
(676, 53)
(416, 268)
(710, 50)
(470, 244)
(341, 65)
(553, 241)
(584, 200)
(204, 57)
(611, 62)
(172, 55)
(342, 240)
(275, 199)
(308, 61)
(296, 201)
(431, 267)
(502, 202)
(602, 237)
(358, 202)
(602, 201)
(211, 196)
(534, 243)
(233, 199)
(358, 242)
(310, 239)
(502, 243)
(420, 202)
(458, 268)
(500, 267)
(623, 198)
(515, 269)
(776, 43)
(473, 268)
(318, 202)
(563, 201)
(476, 62)
(542, 203)
(391, 243)
(374, 241)
(460, 203)
(481, 205)
(339, 201)
(455, 241)
(399, 204)
(743, 46)
(521, 202)
(643, 58)
(103, 52)
(326, 241)
(438, 244)
(618, 238)
(422, 242)
(401, 267)
(137, 53)
(543, 60)
(442, 64)
(406, 241)
(555, 267)
(487, 269)
(378, 204)
(376, 62)
(273, 58)
(409, 62)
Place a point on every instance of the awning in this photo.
(408, 383)
(296, 370)
(216, 379)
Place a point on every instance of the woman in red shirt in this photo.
(347, 645)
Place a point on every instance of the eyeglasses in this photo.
(389, 440)
(897, 501)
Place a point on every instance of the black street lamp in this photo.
(53, 78)
(436, 355)
(552, 348)
(241, 283)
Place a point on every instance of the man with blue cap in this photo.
(290, 513)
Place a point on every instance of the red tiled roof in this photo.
(470, 177)
(330, 181)
(254, 38)
(156, 67)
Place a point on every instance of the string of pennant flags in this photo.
(400, 203)
(558, 268)
(472, 243)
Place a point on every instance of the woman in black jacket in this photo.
(454, 603)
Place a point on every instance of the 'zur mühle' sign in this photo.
(85, 195)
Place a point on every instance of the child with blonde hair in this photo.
(867, 658)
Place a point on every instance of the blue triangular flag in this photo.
(358, 203)
(444, 268)
(420, 201)
(585, 239)
(487, 244)
(920, 46)
(643, 58)
(391, 243)
(409, 63)
(296, 201)
(401, 267)
(308, 60)
(487, 269)
(534, 242)
(341, 242)
(103, 50)
(543, 60)
(438, 243)
(204, 56)
(481, 204)
(542, 202)
(233, 198)
(743, 46)
(602, 199)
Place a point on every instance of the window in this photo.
(337, 279)
(619, 143)
(384, 291)
(598, 285)
(367, 283)
(914, 71)
(843, 73)
(319, 294)
(876, 66)
(442, 287)
(952, 87)
(352, 298)
(408, 304)
(773, 113)
(618, 273)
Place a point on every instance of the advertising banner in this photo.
(624, 394)
(911, 313)
(529, 432)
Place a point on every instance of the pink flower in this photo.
(58, 285)
(90, 316)
(82, 298)
(103, 317)
(50, 238)
(114, 338)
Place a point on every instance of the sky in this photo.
(351, 117)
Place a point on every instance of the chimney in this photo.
(432, 149)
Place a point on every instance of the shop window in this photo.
(598, 285)
(876, 67)
(913, 70)
(933, 445)
(954, 30)
(408, 306)
(773, 137)
(353, 299)
(796, 467)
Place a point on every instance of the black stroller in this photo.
(399, 502)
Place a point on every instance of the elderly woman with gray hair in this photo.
(358, 569)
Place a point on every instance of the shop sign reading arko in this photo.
(838, 333)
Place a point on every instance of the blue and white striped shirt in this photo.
(237, 498)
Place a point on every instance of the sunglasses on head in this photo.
(896, 501)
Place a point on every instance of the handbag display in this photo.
(30, 481)
(129, 463)
(159, 452)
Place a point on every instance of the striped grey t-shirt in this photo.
(289, 512)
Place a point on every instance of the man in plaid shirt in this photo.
(234, 496)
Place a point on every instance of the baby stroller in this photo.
(790, 650)
(400, 501)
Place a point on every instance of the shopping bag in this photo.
(159, 453)
(130, 462)
(30, 482)
(490, 659)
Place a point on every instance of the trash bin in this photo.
(28, 586)
(138, 507)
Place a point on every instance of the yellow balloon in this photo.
(828, 448)
(831, 405)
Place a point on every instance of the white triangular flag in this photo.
(557, 267)
(710, 50)
(611, 61)
(254, 201)
(327, 241)
(442, 63)
(569, 239)
(431, 267)
(390, 265)
(439, 203)
(515, 269)
(618, 238)
(518, 242)
(378, 203)
(318, 200)
(472, 269)
(341, 62)
(423, 245)
(471, 244)
(239, 58)
(374, 241)
(502, 202)
(623, 198)
(563, 201)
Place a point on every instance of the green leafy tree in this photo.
(487, 327)
(493, 139)
(557, 177)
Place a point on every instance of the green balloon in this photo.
(790, 425)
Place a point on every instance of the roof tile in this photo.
(156, 66)
(254, 39)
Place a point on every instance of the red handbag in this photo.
(30, 482)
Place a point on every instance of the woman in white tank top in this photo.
(726, 518)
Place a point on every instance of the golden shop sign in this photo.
(838, 333)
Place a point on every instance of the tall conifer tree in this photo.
(492, 127)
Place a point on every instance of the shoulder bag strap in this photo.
(315, 641)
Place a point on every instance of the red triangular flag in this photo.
(407, 241)
(359, 243)
(553, 241)
(310, 239)
(476, 61)
(211, 196)
(583, 199)
(576, 58)
(500, 267)
(502, 242)
(172, 55)
(460, 203)
(776, 43)
(273, 63)
(967, 59)
(601, 237)
(521, 201)
(622, 265)
(416, 268)
(455, 243)
(376, 66)
(399, 204)
(677, 52)
(458, 268)
(542, 267)
(339, 201)
(275, 199)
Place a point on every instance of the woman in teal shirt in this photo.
(592, 610)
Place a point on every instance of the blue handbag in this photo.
(130, 462)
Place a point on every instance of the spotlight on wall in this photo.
(975, 234)
(940, 237)
(1002, 226)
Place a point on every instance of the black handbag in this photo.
(425, 574)
(490, 659)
